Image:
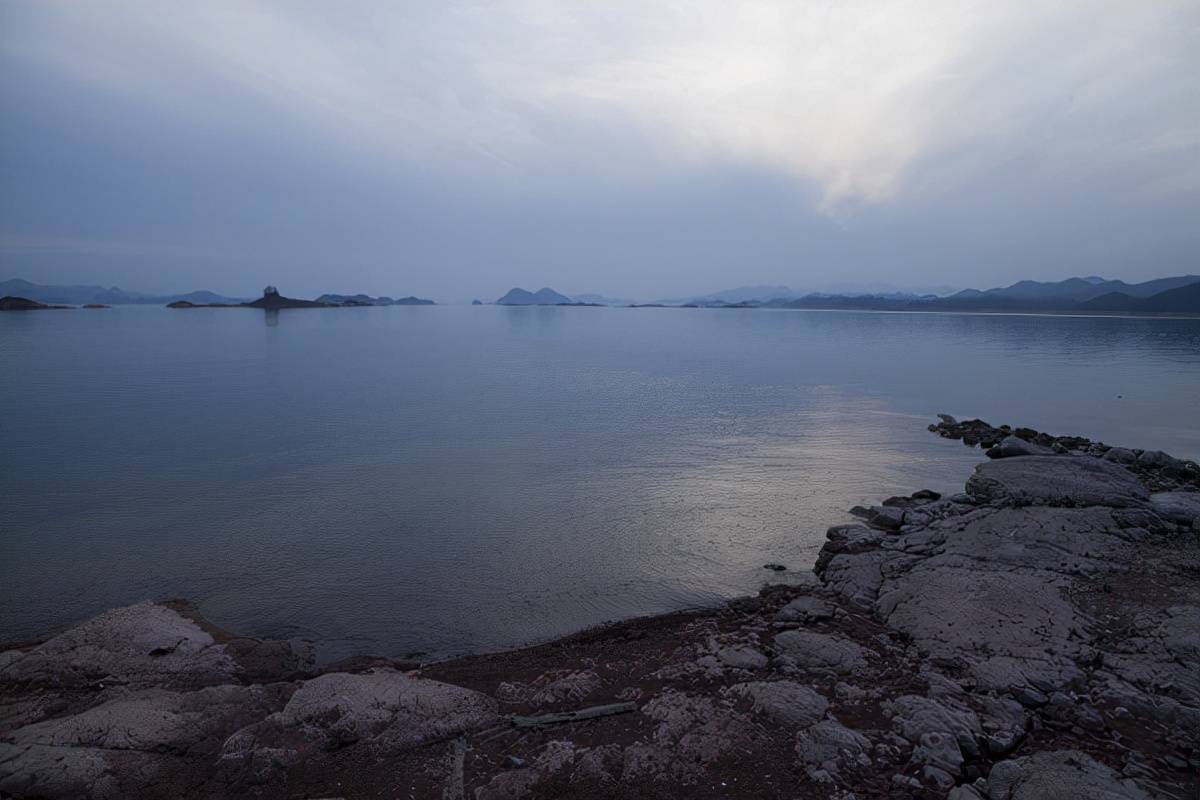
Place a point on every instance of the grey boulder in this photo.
(1011, 446)
(785, 702)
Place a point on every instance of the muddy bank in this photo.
(1036, 636)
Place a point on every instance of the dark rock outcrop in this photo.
(272, 299)
(10, 303)
(1157, 470)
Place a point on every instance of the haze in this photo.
(640, 149)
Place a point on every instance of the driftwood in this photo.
(560, 717)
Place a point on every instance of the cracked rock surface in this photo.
(1037, 636)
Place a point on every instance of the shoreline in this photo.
(1032, 636)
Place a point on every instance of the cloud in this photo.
(649, 148)
(853, 97)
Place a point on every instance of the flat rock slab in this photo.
(1059, 775)
(1180, 507)
(1056, 481)
(819, 652)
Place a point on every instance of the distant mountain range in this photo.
(601, 300)
(81, 295)
(367, 300)
(1174, 295)
(767, 293)
(1183, 299)
(1178, 295)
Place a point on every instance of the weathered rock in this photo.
(939, 750)
(1056, 481)
(785, 702)
(954, 729)
(822, 653)
(152, 719)
(1180, 507)
(832, 748)
(139, 645)
(1120, 455)
(68, 773)
(692, 732)
(888, 517)
(389, 710)
(742, 657)
(806, 608)
(1011, 446)
(1059, 775)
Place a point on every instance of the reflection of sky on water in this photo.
(444, 479)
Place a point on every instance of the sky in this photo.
(640, 149)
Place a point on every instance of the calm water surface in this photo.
(442, 480)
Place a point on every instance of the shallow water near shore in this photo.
(454, 479)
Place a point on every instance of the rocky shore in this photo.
(1036, 636)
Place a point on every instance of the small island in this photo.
(272, 300)
(10, 303)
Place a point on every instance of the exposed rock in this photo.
(888, 517)
(785, 702)
(69, 773)
(1157, 470)
(806, 608)
(1181, 507)
(821, 653)
(944, 728)
(1060, 775)
(831, 748)
(1011, 446)
(1056, 481)
(692, 733)
(389, 710)
(140, 645)
(1120, 455)
(742, 657)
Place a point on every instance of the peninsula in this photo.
(1034, 636)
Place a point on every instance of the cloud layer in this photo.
(879, 139)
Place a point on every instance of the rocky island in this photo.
(1035, 636)
(10, 303)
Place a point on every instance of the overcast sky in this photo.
(639, 149)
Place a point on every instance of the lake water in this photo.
(453, 479)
